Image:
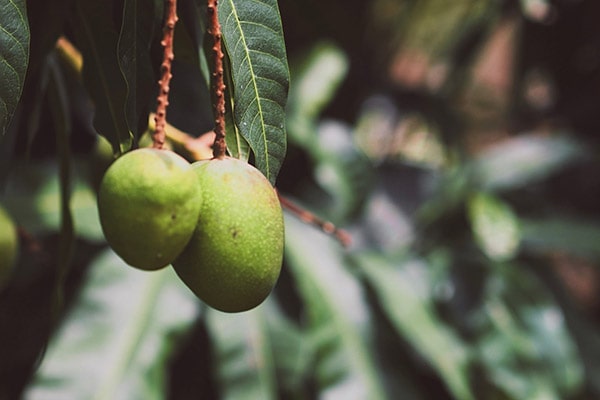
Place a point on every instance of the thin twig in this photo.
(218, 86)
(163, 96)
(306, 216)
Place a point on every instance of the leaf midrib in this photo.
(254, 85)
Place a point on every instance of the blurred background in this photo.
(455, 142)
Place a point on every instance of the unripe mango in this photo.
(148, 206)
(234, 257)
(8, 246)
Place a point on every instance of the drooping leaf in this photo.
(141, 21)
(495, 226)
(403, 294)
(116, 341)
(97, 38)
(254, 41)
(243, 354)
(338, 318)
(14, 57)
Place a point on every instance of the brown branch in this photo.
(163, 96)
(306, 216)
(218, 86)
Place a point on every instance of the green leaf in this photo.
(97, 37)
(117, 340)
(338, 318)
(33, 195)
(315, 81)
(256, 48)
(243, 354)
(404, 296)
(292, 354)
(495, 226)
(141, 21)
(525, 344)
(14, 56)
(524, 159)
(573, 235)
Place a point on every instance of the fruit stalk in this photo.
(163, 96)
(218, 86)
(306, 216)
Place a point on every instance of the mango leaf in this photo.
(572, 235)
(404, 296)
(315, 81)
(523, 160)
(97, 37)
(256, 48)
(14, 57)
(338, 318)
(244, 356)
(141, 21)
(33, 196)
(117, 340)
(495, 226)
(526, 345)
(292, 353)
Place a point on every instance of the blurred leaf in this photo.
(495, 226)
(14, 57)
(524, 159)
(338, 318)
(141, 20)
(117, 340)
(256, 48)
(33, 197)
(244, 354)
(291, 352)
(62, 125)
(572, 235)
(527, 349)
(315, 81)
(343, 171)
(97, 38)
(404, 296)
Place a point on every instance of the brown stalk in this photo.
(158, 138)
(306, 216)
(218, 86)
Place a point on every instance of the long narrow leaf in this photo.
(244, 360)
(97, 38)
(116, 342)
(135, 39)
(337, 315)
(400, 292)
(256, 48)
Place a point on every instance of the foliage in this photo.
(454, 142)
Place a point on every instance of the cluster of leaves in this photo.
(459, 281)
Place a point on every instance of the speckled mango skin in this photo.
(148, 206)
(8, 246)
(234, 257)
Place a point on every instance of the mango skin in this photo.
(234, 257)
(9, 246)
(148, 206)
